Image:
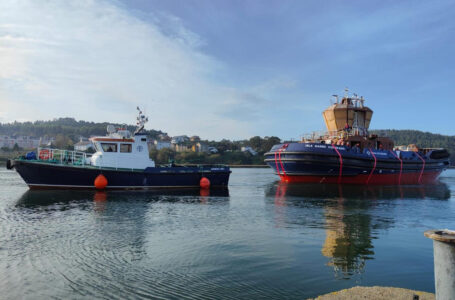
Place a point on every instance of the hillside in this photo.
(66, 126)
(421, 139)
(73, 129)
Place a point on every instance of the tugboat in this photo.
(348, 154)
(121, 161)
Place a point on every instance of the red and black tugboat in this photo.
(348, 154)
(121, 161)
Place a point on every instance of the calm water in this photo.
(261, 239)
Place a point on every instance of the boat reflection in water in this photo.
(353, 215)
(32, 198)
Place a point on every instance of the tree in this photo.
(16, 147)
(256, 142)
(63, 142)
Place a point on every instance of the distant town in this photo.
(181, 143)
(67, 133)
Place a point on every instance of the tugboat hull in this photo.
(321, 163)
(42, 175)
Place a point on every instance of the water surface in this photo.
(259, 239)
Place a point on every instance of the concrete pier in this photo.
(376, 293)
(444, 262)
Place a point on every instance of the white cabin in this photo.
(121, 150)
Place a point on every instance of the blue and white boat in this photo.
(121, 158)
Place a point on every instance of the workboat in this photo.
(121, 161)
(348, 154)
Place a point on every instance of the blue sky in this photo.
(228, 69)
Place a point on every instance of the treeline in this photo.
(67, 131)
(166, 156)
(229, 152)
(421, 139)
(67, 127)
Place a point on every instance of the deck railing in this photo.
(63, 156)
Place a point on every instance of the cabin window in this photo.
(97, 148)
(125, 148)
(109, 147)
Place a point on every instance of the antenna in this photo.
(110, 129)
(141, 119)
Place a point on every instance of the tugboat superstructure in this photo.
(348, 153)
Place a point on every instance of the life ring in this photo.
(45, 154)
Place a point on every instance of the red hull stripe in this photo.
(379, 179)
(281, 163)
(423, 167)
(374, 166)
(276, 163)
(340, 158)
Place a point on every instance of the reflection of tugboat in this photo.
(347, 153)
(121, 161)
(348, 221)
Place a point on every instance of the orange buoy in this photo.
(204, 183)
(100, 182)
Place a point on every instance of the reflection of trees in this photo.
(350, 227)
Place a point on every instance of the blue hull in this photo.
(313, 162)
(47, 175)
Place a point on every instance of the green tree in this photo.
(16, 147)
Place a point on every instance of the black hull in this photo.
(311, 162)
(39, 175)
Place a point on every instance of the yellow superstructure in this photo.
(350, 111)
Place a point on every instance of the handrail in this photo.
(63, 156)
(334, 134)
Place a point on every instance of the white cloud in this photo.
(94, 60)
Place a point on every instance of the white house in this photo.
(83, 145)
(158, 145)
(180, 139)
(249, 150)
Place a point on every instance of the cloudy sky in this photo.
(228, 69)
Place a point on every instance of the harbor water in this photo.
(258, 239)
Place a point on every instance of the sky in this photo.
(228, 69)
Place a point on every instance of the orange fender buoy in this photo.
(100, 182)
(204, 183)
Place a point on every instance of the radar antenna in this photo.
(140, 121)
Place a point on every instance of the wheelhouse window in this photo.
(125, 148)
(109, 147)
(97, 148)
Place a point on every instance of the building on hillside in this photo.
(195, 138)
(164, 137)
(158, 145)
(25, 142)
(199, 147)
(181, 147)
(180, 139)
(83, 145)
(249, 150)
